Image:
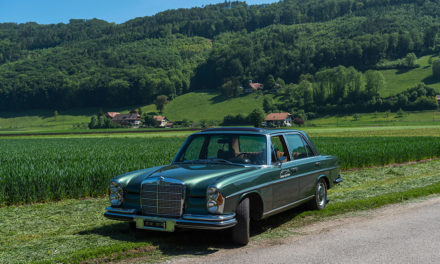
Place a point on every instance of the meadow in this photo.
(384, 119)
(47, 169)
(398, 80)
(195, 106)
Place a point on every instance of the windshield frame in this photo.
(190, 138)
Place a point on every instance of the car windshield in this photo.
(227, 149)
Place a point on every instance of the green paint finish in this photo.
(279, 182)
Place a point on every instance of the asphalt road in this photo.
(405, 233)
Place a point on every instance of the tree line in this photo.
(217, 47)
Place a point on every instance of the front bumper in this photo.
(212, 222)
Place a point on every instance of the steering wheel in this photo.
(242, 156)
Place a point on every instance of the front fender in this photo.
(232, 202)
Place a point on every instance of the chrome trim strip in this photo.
(263, 185)
(120, 210)
(285, 207)
(215, 218)
(213, 225)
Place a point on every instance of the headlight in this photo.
(116, 193)
(214, 201)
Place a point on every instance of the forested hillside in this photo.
(314, 52)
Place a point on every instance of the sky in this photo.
(118, 11)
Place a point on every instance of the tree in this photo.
(356, 117)
(256, 117)
(268, 105)
(139, 111)
(93, 122)
(436, 69)
(374, 82)
(231, 88)
(149, 121)
(55, 115)
(160, 102)
(306, 90)
(269, 83)
(410, 60)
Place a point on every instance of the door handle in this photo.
(293, 170)
(317, 164)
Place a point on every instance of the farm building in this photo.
(112, 114)
(253, 87)
(163, 121)
(133, 119)
(278, 119)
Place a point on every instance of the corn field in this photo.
(47, 169)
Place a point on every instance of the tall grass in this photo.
(45, 169)
(359, 152)
(34, 170)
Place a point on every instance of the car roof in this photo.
(255, 131)
(248, 130)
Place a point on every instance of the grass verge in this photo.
(74, 231)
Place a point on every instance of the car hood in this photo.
(196, 177)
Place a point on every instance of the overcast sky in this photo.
(118, 11)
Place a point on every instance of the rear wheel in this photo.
(320, 199)
(241, 231)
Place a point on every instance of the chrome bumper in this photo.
(212, 222)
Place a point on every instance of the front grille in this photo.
(162, 197)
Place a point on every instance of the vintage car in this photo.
(223, 177)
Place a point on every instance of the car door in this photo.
(308, 182)
(285, 189)
(303, 163)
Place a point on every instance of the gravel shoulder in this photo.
(400, 233)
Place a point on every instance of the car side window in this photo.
(279, 149)
(309, 149)
(296, 146)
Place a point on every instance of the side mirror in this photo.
(281, 160)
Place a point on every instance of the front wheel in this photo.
(320, 199)
(241, 231)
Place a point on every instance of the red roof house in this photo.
(253, 87)
(132, 119)
(112, 114)
(278, 119)
(163, 121)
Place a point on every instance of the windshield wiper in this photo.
(196, 161)
(218, 160)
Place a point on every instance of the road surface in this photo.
(403, 233)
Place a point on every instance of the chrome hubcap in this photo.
(321, 194)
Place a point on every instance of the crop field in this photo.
(75, 231)
(48, 169)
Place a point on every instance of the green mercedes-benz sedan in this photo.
(223, 177)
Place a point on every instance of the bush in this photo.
(298, 121)
(237, 120)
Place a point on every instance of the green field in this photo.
(197, 106)
(399, 80)
(75, 231)
(388, 119)
(47, 169)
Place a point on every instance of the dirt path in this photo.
(402, 233)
